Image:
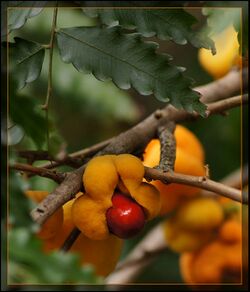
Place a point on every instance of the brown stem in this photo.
(168, 147)
(196, 181)
(56, 176)
(229, 83)
(70, 239)
(62, 194)
(51, 48)
(79, 156)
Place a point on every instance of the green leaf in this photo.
(166, 24)
(218, 19)
(29, 264)
(26, 60)
(128, 61)
(18, 16)
(27, 113)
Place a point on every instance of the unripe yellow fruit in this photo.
(200, 214)
(182, 240)
(227, 48)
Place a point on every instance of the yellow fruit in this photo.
(53, 223)
(227, 55)
(200, 214)
(189, 160)
(102, 254)
(182, 240)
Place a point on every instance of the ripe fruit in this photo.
(125, 218)
(227, 55)
(189, 160)
(102, 177)
(102, 254)
(218, 261)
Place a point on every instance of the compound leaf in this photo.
(128, 61)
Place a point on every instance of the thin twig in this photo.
(51, 47)
(49, 87)
(79, 156)
(43, 172)
(196, 181)
(70, 239)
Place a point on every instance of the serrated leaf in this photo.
(26, 60)
(18, 15)
(166, 24)
(128, 61)
(27, 113)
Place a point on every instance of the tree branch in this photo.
(226, 86)
(168, 147)
(127, 142)
(79, 156)
(43, 172)
(216, 90)
(196, 181)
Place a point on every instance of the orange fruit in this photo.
(189, 160)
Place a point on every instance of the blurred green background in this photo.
(84, 111)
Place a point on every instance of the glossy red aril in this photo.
(126, 217)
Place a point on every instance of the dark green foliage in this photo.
(128, 61)
(166, 24)
(26, 60)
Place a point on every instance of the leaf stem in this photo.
(51, 47)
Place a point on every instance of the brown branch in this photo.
(196, 181)
(226, 104)
(66, 191)
(135, 138)
(127, 142)
(219, 89)
(168, 147)
(78, 157)
(43, 172)
(237, 179)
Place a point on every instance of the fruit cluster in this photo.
(219, 260)
(115, 206)
(205, 231)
